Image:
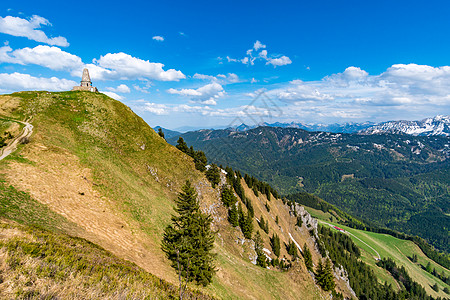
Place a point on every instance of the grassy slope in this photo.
(45, 265)
(397, 249)
(94, 161)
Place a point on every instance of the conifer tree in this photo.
(182, 146)
(213, 175)
(291, 249)
(259, 245)
(246, 224)
(324, 276)
(275, 244)
(160, 132)
(228, 197)
(262, 222)
(233, 216)
(188, 241)
(200, 160)
(308, 258)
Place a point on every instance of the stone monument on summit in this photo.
(86, 83)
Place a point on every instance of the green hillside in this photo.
(401, 251)
(395, 181)
(95, 170)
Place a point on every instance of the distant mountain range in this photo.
(334, 128)
(439, 125)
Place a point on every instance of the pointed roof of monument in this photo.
(85, 77)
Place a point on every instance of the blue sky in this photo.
(208, 64)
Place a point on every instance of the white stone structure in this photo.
(86, 83)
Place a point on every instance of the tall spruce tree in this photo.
(188, 241)
(233, 215)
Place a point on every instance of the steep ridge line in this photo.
(26, 133)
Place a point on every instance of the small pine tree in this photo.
(299, 221)
(308, 258)
(182, 146)
(246, 224)
(276, 220)
(261, 258)
(275, 244)
(188, 241)
(324, 276)
(233, 216)
(291, 249)
(262, 223)
(213, 175)
(435, 287)
(267, 207)
(228, 197)
(446, 290)
(161, 133)
(428, 267)
(200, 160)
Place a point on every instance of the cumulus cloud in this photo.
(156, 108)
(258, 45)
(30, 29)
(20, 82)
(207, 94)
(122, 88)
(123, 66)
(281, 61)
(403, 90)
(50, 57)
(158, 38)
(220, 78)
(252, 55)
(112, 66)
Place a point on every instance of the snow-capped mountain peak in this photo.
(439, 125)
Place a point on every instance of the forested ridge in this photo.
(400, 182)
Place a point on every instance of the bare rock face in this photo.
(307, 219)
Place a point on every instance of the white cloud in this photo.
(258, 45)
(220, 78)
(156, 108)
(207, 94)
(50, 57)
(123, 66)
(281, 61)
(30, 29)
(112, 95)
(122, 88)
(20, 82)
(112, 66)
(263, 55)
(402, 91)
(158, 38)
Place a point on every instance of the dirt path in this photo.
(26, 133)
